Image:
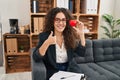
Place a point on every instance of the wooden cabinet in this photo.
(15, 60)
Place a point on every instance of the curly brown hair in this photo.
(69, 33)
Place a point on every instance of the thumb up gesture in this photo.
(51, 39)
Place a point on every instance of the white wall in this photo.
(14, 9)
(117, 9)
(106, 7)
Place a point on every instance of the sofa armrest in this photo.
(38, 68)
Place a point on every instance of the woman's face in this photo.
(59, 22)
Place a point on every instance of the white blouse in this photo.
(61, 54)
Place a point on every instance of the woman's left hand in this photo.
(79, 28)
(80, 31)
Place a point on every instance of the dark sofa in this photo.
(101, 61)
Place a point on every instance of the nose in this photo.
(61, 22)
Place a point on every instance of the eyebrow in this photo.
(61, 18)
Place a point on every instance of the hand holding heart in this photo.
(77, 25)
(79, 28)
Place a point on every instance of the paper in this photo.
(62, 3)
(63, 75)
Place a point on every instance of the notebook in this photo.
(64, 75)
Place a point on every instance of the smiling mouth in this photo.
(60, 27)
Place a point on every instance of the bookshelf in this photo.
(86, 11)
(17, 61)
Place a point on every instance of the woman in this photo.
(59, 42)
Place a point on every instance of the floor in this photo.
(14, 76)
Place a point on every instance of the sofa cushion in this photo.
(113, 66)
(88, 53)
(106, 49)
(95, 72)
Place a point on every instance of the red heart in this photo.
(72, 23)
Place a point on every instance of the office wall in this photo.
(14, 9)
(106, 7)
(117, 9)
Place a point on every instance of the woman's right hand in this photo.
(51, 39)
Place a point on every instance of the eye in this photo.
(57, 19)
(64, 19)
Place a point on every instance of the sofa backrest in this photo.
(88, 53)
(106, 49)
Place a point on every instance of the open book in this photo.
(63, 75)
